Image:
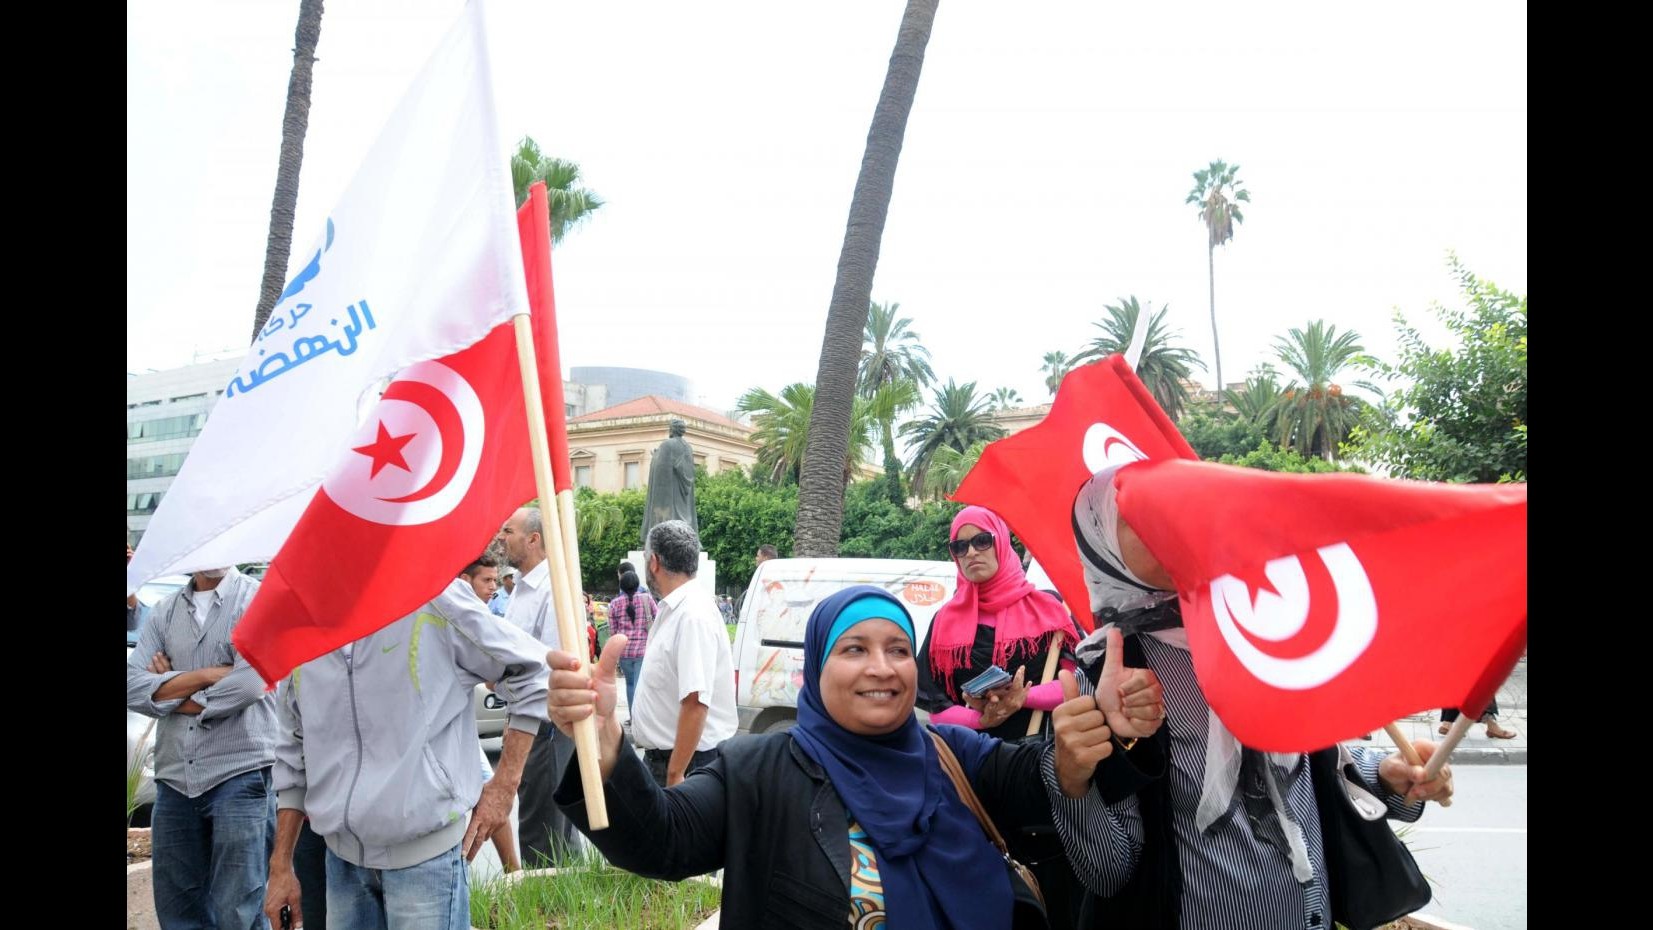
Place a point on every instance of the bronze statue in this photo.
(671, 483)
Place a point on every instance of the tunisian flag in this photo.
(1317, 606)
(1103, 415)
(419, 492)
(1322, 606)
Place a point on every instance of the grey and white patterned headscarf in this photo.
(1120, 599)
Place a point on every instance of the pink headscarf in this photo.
(1021, 613)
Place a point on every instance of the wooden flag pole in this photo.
(563, 593)
(1460, 727)
(1410, 752)
(1038, 717)
(571, 546)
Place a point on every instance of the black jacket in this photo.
(766, 814)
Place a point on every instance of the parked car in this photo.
(490, 713)
(769, 634)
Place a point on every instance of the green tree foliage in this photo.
(608, 527)
(737, 515)
(1461, 414)
(1214, 432)
(1270, 457)
(958, 418)
(569, 203)
(1313, 414)
(1163, 365)
(876, 528)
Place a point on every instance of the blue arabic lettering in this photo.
(304, 348)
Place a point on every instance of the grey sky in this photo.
(1043, 174)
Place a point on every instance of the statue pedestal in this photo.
(707, 574)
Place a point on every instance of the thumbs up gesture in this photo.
(1083, 738)
(1130, 697)
(579, 690)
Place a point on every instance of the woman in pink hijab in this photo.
(996, 617)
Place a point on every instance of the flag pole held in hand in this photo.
(535, 229)
(1050, 669)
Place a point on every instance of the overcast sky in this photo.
(1043, 175)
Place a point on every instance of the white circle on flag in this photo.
(1105, 447)
(1278, 617)
(413, 459)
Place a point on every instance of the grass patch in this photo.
(590, 893)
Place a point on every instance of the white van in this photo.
(769, 633)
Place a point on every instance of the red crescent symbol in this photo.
(449, 427)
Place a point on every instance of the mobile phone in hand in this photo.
(994, 677)
(286, 917)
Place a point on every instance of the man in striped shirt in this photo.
(214, 818)
(1227, 837)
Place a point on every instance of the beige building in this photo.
(1016, 419)
(611, 449)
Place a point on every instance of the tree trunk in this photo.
(820, 488)
(892, 464)
(1216, 349)
(294, 123)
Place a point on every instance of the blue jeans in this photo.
(433, 895)
(630, 668)
(212, 854)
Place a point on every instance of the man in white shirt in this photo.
(686, 690)
(543, 833)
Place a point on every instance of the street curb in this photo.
(1489, 757)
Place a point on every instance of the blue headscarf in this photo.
(938, 869)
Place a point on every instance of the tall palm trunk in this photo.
(1216, 348)
(892, 464)
(820, 488)
(294, 124)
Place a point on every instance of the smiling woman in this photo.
(851, 812)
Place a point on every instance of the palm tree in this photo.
(569, 204)
(1163, 367)
(1315, 416)
(949, 466)
(295, 122)
(1004, 397)
(1217, 191)
(595, 515)
(821, 497)
(1258, 402)
(896, 364)
(957, 419)
(1056, 366)
(889, 401)
(782, 432)
(891, 351)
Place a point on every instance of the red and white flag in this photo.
(416, 494)
(1321, 606)
(1103, 415)
(419, 259)
(1317, 607)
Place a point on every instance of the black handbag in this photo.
(1371, 875)
(1028, 912)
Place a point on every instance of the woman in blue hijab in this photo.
(849, 814)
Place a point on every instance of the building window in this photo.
(138, 504)
(700, 460)
(568, 410)
(155, 466)
(634, 475)
(582, 476)
(180, 427)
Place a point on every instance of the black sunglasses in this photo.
(981, 542)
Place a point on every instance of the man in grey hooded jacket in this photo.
(378, 747)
